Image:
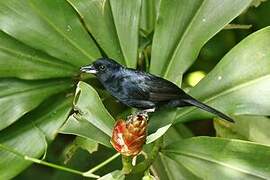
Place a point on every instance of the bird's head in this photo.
(102, 67)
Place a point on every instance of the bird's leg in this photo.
(145, 112)
(130, 118)
(140, 113)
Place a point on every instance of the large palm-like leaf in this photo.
(43, 44)
(226, 158)
(183, 27)
(235, 90)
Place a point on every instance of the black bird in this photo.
(142, 90)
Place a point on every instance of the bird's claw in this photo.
(143, 113)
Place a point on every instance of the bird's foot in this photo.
(150, 110)
(146, 111)
(143, 113)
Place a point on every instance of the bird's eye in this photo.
(102, 67)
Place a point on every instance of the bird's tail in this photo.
(190, 100)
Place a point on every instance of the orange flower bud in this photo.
(129, 136)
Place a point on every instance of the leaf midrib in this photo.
(222, 93)
(181, 39)
(39, 59)
(208, 159)
(117, 36)
(43, 86)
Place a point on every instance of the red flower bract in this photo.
(129, 136)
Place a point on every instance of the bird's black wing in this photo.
(145, 86)
(133, 85)
(162, 90)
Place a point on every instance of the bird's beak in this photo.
(89, 69)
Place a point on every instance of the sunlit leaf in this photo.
(91, 120)
(183, 27)
(159, 123)
(52, 26)
(253, 128)
(29, 135)
(212, 158)
(83, 128)
(176, 170)
(157, 134)
(94, 112)
(167, 168)
(240, 83)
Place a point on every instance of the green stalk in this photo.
(94, 169)
(38, 161)
(143, 166)
(147, 60)
(127, 164)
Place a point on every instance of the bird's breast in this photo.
(114, 85)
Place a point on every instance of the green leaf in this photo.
(212, 158)
(159, 123)
(103, 30)
(253, 128)
(19, 60)
(94, 112)
(183, 27)
(176, 170)
(83, 128)
(175, 133)
(159, 169)
(167, 168)
(17, 97)
(52, 26)
(126, 22)
(148, 177)
(239, 84)
(148, 15)
(29, 135)
(154, 136)
(115, 175)
(257, 3)
(92, 120)
(86, 144)
(79, 142)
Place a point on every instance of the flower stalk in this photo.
(127, 164)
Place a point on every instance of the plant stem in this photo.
(143, 166)
(97, 167)
(127, 164)
(147, 65)
(38, 161)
